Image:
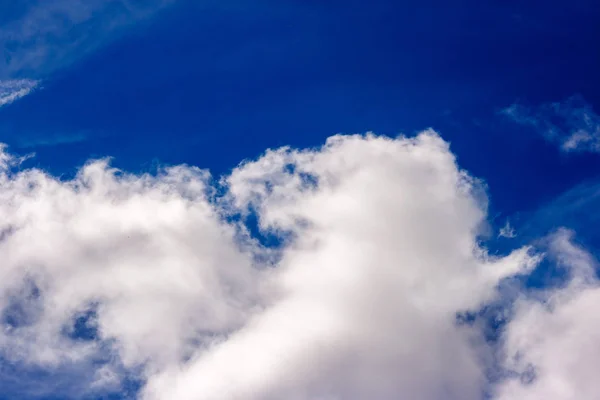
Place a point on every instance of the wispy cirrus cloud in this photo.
(572, 123)
(42, 36)
(14, 89)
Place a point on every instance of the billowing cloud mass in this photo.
(572, 123)
(158, 275)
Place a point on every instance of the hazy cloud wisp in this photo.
(12, 90)
(572, 123)
(51, 34)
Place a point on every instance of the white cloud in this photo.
(150, 253)
(12, 90)
(385, 255)
(552, 342)
(381, 251)
(572, 123)
(507, 231)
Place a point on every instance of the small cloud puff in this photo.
(507, 231)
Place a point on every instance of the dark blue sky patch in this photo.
(84, 326)
(23, 306)
(66, 382)
(548, 274)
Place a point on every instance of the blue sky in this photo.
(211, 83)
(196, 79)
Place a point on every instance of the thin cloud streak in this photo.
(12, 90)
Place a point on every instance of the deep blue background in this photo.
(211, 85)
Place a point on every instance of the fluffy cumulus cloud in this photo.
(383, 255)
(572, 123)
(146, 259)
(159, 275)
(552, 342)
